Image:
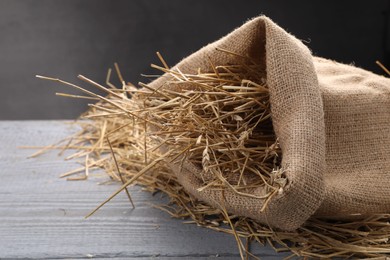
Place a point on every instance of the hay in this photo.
(220, 121)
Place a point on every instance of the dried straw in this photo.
(220, 121)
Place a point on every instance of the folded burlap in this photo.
(333, 125)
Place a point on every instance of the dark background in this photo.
(64, 38)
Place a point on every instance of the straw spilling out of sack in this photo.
(220, 121)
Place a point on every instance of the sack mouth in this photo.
(297, 119)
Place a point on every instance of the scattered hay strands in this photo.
(223, 125)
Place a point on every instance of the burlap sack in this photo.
(332, 121)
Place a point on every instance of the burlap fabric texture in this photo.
(333, 125)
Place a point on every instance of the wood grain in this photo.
(42, 216)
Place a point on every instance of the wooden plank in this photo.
(42, 216)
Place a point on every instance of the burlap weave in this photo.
(333, 125)
(357, 124)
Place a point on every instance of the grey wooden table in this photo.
(42, 216)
